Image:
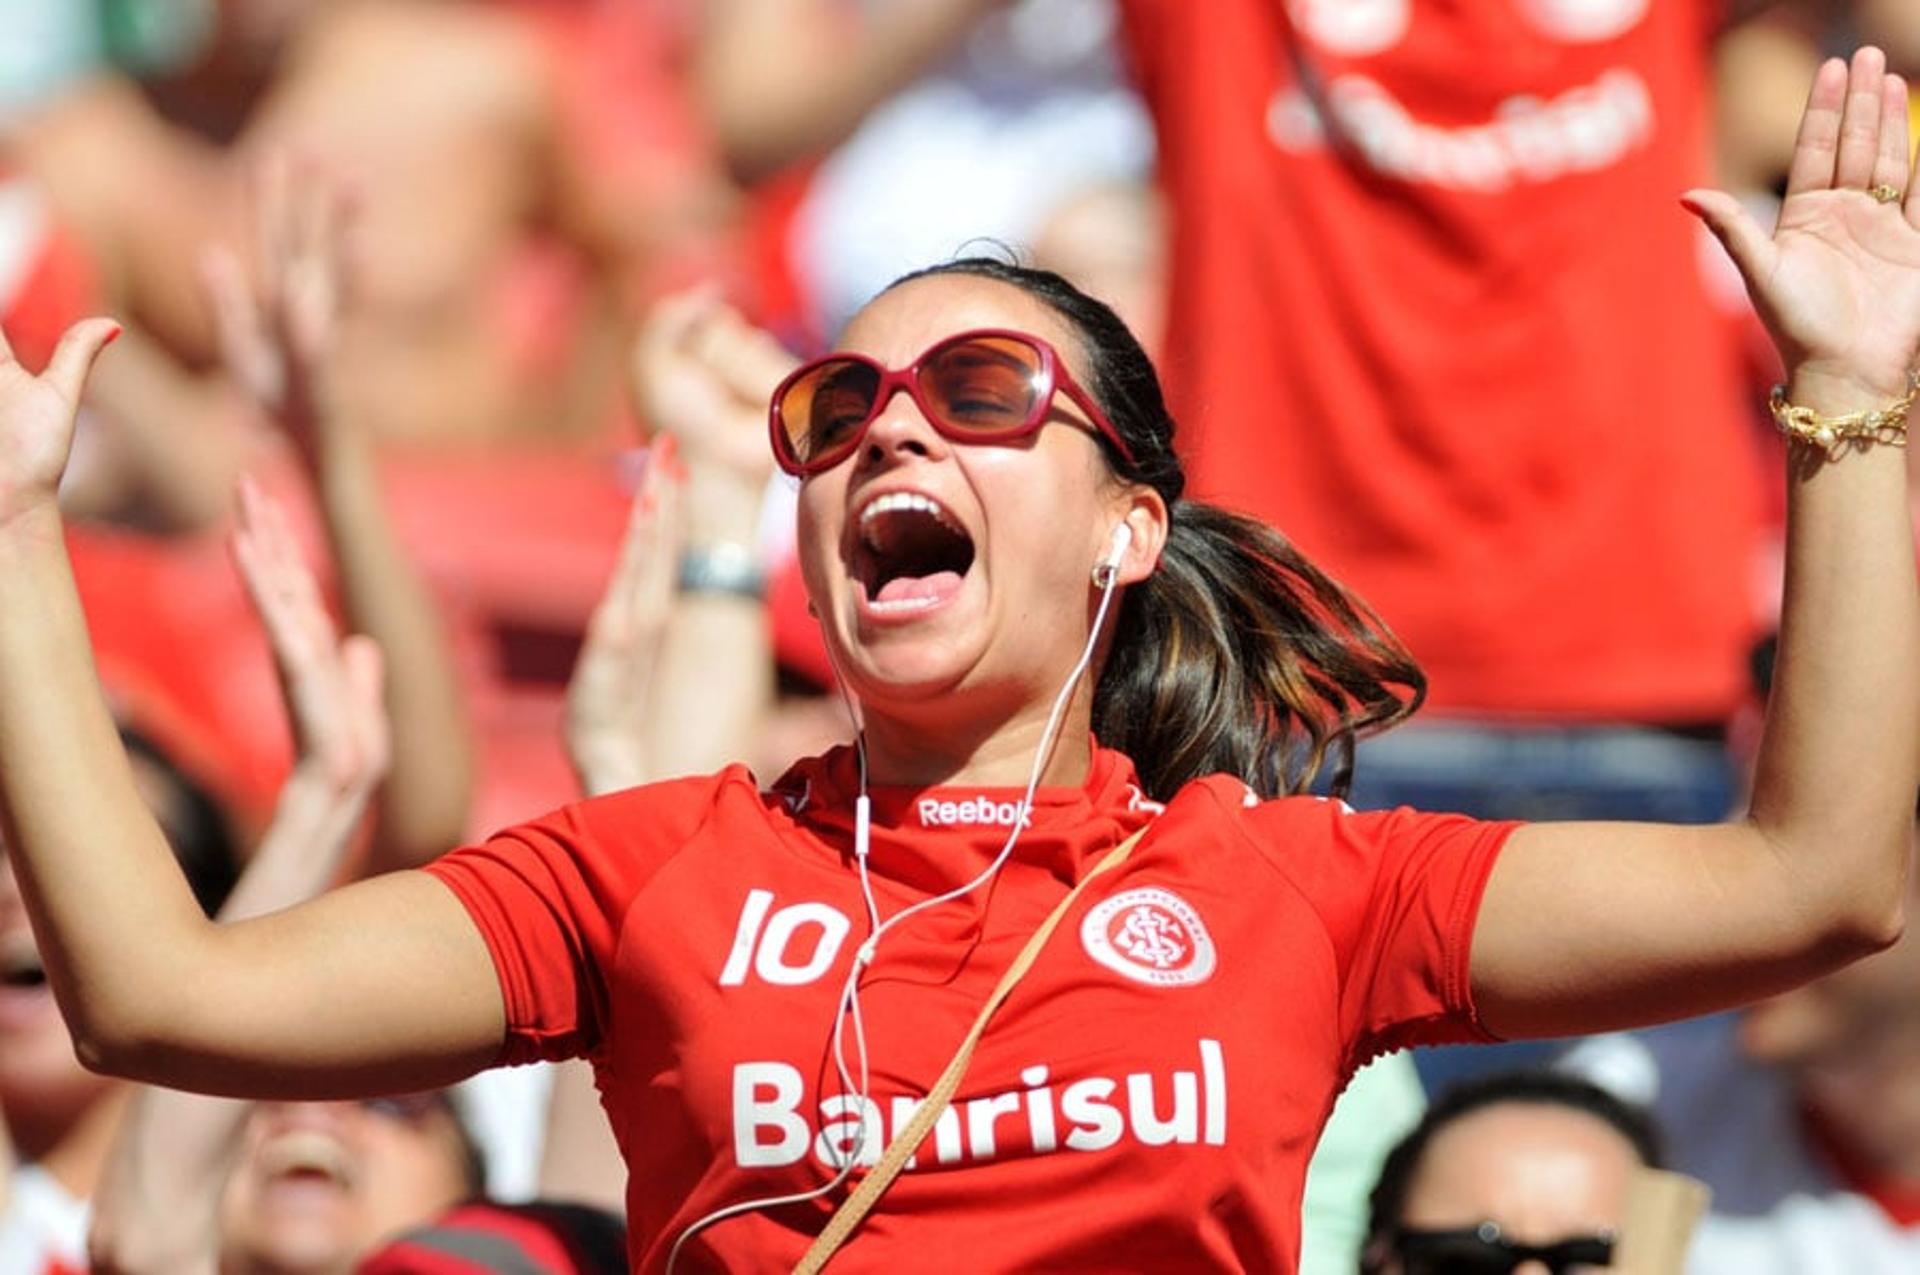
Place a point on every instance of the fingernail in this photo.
(666, 454)
(112, 336)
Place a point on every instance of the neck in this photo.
(78, 1158)
(999, 752)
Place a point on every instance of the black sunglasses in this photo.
(1483, 1250)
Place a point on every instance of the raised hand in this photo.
(278, 313)
(37, 415)
(702, 373)
(1838, 282)
(609, 694)
(332, 685)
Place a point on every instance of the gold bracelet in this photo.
(1829, 433)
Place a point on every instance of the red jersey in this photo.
(1150, 1093)
(1437, 314)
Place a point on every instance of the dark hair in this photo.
(1236, 655)
(195, 825)
(1539, 1087)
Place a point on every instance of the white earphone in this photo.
(1117, 545)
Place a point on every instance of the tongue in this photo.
(941, 584)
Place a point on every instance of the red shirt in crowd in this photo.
(1437, 314)
(1150, 1093)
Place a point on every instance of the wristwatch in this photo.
(722, 568)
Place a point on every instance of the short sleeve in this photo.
(1398, 893)
(549, 898)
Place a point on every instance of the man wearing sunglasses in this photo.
(1519, 1174)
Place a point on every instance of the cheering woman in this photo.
(1083, 703)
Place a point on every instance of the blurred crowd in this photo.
(451, 324)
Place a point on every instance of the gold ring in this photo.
(1883, 193)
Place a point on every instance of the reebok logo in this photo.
(974, 811)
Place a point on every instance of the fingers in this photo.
(278, 580)
(660, 491)
(1859, 144)
(365, 684)
(1818, 141)
(748, 358)
(236, 316)
(270, 190)
(1751, 248)
(643, 579)
(1890, 161)
(73, 357)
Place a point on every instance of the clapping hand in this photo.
(610, 692)
(37, 415)
(278, 314)
(332, 685)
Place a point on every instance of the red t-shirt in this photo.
(1149, 1094)
(1462, 352)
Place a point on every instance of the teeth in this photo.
(905, 501)
(903, 604)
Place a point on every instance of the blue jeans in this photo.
(1539, 773)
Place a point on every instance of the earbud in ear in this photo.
(1117, 544)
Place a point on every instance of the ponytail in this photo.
(1239, 656)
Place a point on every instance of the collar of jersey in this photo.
(1070, 828)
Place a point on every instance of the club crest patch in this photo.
(1152, 936)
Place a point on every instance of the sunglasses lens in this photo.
(824, 409)
(990, 386)
(1461, 1256)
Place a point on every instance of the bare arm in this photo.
(612, 684)
(278, 338)
(158, 1208)
(786, 79)
(385, 985)
(1588, 926)
(702, 376)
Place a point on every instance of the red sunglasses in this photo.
(990, 385)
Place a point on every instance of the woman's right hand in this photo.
(37, 415)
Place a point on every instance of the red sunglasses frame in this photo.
(1054, 376)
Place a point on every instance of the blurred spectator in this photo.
(1803, 1115)
(521, 168)
(281, 320)
(1519, 1172)
(940, 124)
(59, 1117)
(320, 1185)
(532, 1239)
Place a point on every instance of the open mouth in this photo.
(911, 553)
(22, 969)
(305, 1157)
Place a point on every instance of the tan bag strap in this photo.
(855, 1207)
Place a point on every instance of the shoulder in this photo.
(670, 812)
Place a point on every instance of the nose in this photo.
(1787, 1028)
(901, 431)
(11, 907)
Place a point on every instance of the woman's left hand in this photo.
(1838, 282)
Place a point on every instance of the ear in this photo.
(1146, 514)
